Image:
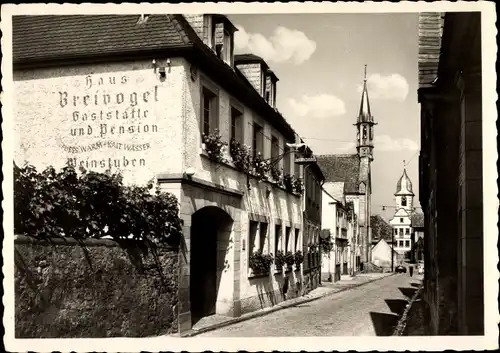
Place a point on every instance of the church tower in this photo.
(404, 193)
(364, 145)
(364, 124)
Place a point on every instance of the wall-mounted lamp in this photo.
(163, 73)
(161, 68)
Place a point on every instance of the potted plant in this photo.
(214, 146)
(299, 258)
(261, 167)
(313, 248)
(298, 186)
(288, 182)
(240, 155)
(260, 263)
(326, 245)
(289, 260)
(277, 176)
(279, 261)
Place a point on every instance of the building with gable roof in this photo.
(149, 95)
(351, 173)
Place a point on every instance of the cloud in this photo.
(319, 107)
(284, 45)
(387, 143)
(346, 147)
(388, 87)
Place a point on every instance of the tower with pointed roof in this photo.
(364, 125)
(402, 219)
(404, 193)
(364, 145)
(350, 175)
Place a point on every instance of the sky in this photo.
(320, 59)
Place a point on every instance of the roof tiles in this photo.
(341, 168)
(48, 37)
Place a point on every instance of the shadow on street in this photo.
(384, 323)
(408, 292)
(397, 306)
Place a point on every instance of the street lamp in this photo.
(392, 250)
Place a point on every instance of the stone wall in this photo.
(101, 289)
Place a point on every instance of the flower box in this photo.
(260, 264)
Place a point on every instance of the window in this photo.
(263, 243)
(263, 83)
(227, 48)
(209, 111)
(407, 243)
(236, 125)
(268, 96)
(401, 220)
(253, 240)
(286, 160)
(207, 19)
(296, 169)
(296, 240)
(400, 243)
(277, 238)
(403, 201)
(275, 147)
(401, 231)
(407, 231)
(219, 51)
(395, 231)
(258, 140)
(273, 94)
(287, 239)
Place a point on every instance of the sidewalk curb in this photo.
(400, 327)
(280, 306)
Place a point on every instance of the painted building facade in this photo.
(451, 170)
(143, 102)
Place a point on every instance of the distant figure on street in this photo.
(411, 270)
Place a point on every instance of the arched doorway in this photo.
(210, 239)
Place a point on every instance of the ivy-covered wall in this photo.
(101, 289)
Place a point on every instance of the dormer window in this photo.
(263, 83)
(219, 37)
(219, 51)
(228, 48)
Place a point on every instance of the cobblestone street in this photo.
(369, 310)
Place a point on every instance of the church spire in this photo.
(364, 109)
(364, 125)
